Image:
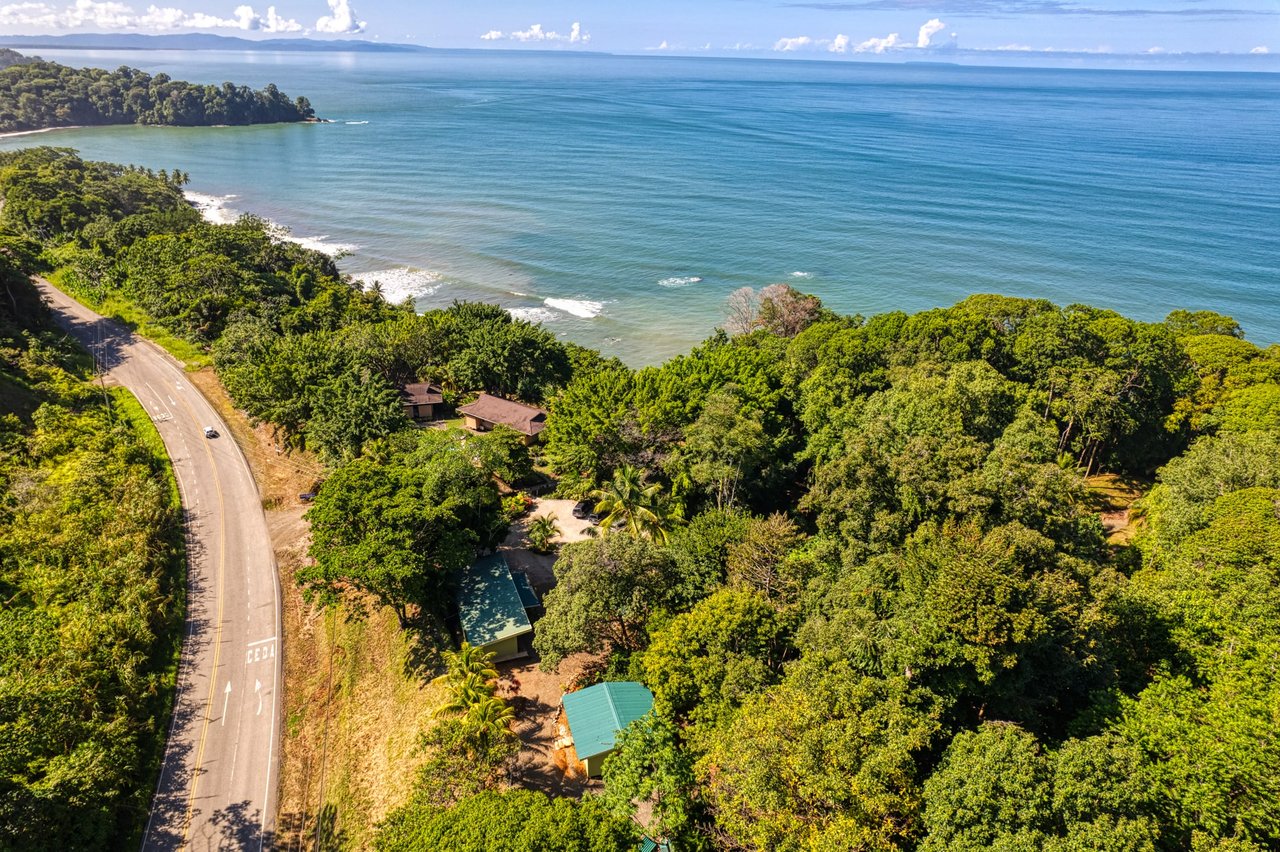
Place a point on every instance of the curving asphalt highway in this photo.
(217, 788)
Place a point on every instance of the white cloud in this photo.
(880, 45)
(788, 45)
(840, 44)
(342, 19)
(536, 33)
(1020, 47)
(163, 19)
(28, 15)
(1260, 49)
(112, 15)
(928, 30)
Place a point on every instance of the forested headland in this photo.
(859, 561)
(35, 95)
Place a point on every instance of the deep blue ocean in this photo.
(621, 200)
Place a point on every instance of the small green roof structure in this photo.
(596, 715)
(492, 612)
(527, 595)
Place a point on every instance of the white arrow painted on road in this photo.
(257, 687)
(224, 704)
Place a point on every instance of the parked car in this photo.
(585, 510)
(210, 432)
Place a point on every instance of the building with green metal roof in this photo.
(596, 714)
(491, 608)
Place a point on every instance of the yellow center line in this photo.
(217, 640)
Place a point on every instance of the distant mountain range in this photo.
(198, 41)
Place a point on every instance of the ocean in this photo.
(620, 200)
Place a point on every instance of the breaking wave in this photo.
(322, 245)
(680, 281)
(400, 284)
(534, 315)
(578, 307)
(215, 209)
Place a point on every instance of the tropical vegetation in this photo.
(35, 94)
(91, 588)
(858, 561)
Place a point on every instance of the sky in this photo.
(826, 29)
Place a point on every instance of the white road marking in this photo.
(257, 687)
(224, 704)
(262, 641)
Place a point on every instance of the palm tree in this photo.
(640, 507)
(464, 694)
(468, 679)
(541, 531)
(490, 718)
(469, 659)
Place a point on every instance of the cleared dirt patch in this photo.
(281, 476)
(535, 695)
(1112, 497)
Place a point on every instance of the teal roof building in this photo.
(491, 608)
(596, 714)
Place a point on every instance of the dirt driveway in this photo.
(536, 694)
(538, 566)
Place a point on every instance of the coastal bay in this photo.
(621, 200)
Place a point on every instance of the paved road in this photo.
(217, 789)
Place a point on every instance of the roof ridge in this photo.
(613, 709)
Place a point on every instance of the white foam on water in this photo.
(215, 209)
(802, 275)
(680, 281)
(403, 283)
(578, 307)
(34, 132)
(534, 315)
(357, 122)
(322, 245)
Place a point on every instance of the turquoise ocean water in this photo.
(621, 200)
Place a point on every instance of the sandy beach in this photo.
(33, 132)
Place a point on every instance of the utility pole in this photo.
(99, 371)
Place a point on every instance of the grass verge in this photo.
(129, 314)
(168, 658)
(353, 717)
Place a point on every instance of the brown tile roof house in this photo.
(420, 401)
(489, 411)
